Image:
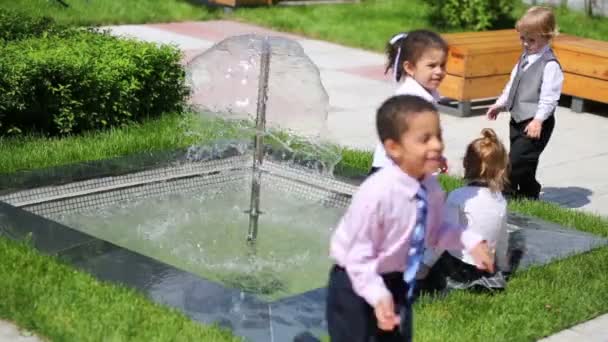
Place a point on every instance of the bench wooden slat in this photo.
(477, 65)
(600, 50)
(484, 40)
(494, 33)
(583, 64)
(465, 89)
(585, 87)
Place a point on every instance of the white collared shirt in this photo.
(409, 87)
(550, 90)
(479, 210)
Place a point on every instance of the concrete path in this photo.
(573, 168)
(9, 332)
(595, 330)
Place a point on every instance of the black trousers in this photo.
(452, 267)
(351, 319)
(373, 170)
(524, 155)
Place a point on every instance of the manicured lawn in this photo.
(34, 152)
(52, 299)
(367, 24)
(104, 12)
(371, 23)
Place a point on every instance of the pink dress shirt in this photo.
(373, 236)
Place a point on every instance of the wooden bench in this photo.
(585, 65)
(479, 65)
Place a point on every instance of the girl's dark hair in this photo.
(391, 118)
(410, 47)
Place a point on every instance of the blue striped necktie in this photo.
(416, 250)
(414, 258)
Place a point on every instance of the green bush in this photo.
(474, 15)
(16, 25)
(85, 80)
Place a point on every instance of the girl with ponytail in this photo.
(481, 208)
(417, 59)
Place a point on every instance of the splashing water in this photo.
(224, 84)
(203, 233)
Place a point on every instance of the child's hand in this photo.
(484, 258)
(533, 129)
(493, 112)
(385, 314)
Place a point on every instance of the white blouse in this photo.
(482, 211)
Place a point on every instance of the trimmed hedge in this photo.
(16, 25)
(60, 84)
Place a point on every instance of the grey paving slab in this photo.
(324, 55)
(151, 34)
(595, 330)
(565, 336)
(9, 332)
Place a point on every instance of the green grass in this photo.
(45, 296)
(366, 25)
(104, 12)
(168, 132)
(539, 301)
(578, 24)
(371, 23)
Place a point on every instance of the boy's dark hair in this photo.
(410, 47)
(391, 117)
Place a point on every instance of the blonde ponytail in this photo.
(486, 161)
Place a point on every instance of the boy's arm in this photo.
(361, 260)
(550, 90)
(502, 100)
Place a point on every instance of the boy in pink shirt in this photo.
(378, 245)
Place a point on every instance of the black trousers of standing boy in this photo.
(524, 155)
(350, 318)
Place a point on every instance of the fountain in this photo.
(234, 212)
(231, 97)
(233, 230)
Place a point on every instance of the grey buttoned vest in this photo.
(525, 89)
